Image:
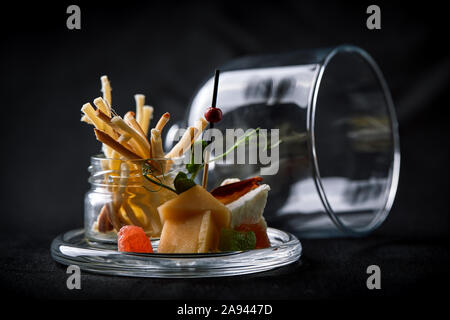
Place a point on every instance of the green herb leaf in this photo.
(182, 182)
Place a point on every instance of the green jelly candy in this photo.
(232, 240)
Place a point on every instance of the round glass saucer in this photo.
(72, 248)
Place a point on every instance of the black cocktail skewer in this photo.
(213, 110)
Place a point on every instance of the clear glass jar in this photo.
(339, 154)
(121, 195)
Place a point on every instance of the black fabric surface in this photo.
(329, 269)
(165, 52)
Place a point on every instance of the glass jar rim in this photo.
(102, 157)
(97, 173)
(394, 171)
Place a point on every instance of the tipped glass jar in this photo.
(336, 156)
(127, 192)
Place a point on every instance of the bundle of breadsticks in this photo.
(127, 148)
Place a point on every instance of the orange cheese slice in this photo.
(193, 234)
(195, 201)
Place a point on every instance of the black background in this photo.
(165, 51)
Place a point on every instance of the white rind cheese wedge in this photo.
(249, 208)
(229, 180)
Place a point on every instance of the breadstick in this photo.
(99, 124)
(131, 215)
(113, 144)
(114, 163)
(115, 205)
(162, 122)
(124, 138)
(137, 141)
(146, 117)
(89, 111)
(102, 116)
(152, 218)
(108, 153)
(86, 119)
(140, 100)
(113, 216)
(106, 89)
(131, 121)
(184, 144)
(107, 125)
(200, 125)
(157, 149)
(120, 201)
(103, 221)
(103, 106)
(97, 118)
(112, 129)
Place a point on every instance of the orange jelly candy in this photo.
(262, 240)
(133, 239)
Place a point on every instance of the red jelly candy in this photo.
(133, 239)
(213, 115)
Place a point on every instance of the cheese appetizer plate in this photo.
(147, 215)
(72, 248)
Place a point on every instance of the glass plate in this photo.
(72, 248)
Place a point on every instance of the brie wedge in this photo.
(249, 208)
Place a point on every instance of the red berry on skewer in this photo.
(213, 115)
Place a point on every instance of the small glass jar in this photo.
(127, 192)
